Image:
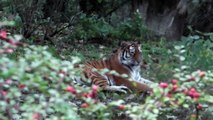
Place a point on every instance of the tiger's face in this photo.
(130, 55)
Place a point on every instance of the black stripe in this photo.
(124, 55)
(127, 66)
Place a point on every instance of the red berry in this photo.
(202, 74)
(21, 86)
(89, 95)
(196, 95)
(85, 105)
(174, 87)
(199, 106)
(121, 107)
(193, 90)
(191, 94)
(163, 85)
(36, 116)
(86, 95)
(94, 88)
(174, 81)
(92, 95)
(71, 90)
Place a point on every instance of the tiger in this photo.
(126, 59)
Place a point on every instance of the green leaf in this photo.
(186, 105)
(156, 111)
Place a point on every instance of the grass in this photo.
(159, 57)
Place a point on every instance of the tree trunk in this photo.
(165, 17)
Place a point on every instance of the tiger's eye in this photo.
(132, 49)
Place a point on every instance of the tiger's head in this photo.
(130, 54)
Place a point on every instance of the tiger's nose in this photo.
(135, 63)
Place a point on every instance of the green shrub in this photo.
(132, 28)
(198, 51)
(93, 27)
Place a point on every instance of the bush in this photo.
(93, 27)
(131, 29)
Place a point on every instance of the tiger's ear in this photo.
(122, 44)
(138, 42)
(139, 47)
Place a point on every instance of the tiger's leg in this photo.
(137, 77)
(106, 83)
(145, 81)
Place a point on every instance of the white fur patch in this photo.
(139, 48)
(135, 75)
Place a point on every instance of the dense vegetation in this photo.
(40, 41)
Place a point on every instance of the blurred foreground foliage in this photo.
(34, 84)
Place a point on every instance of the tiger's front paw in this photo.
(145, 81)
(121, 88)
